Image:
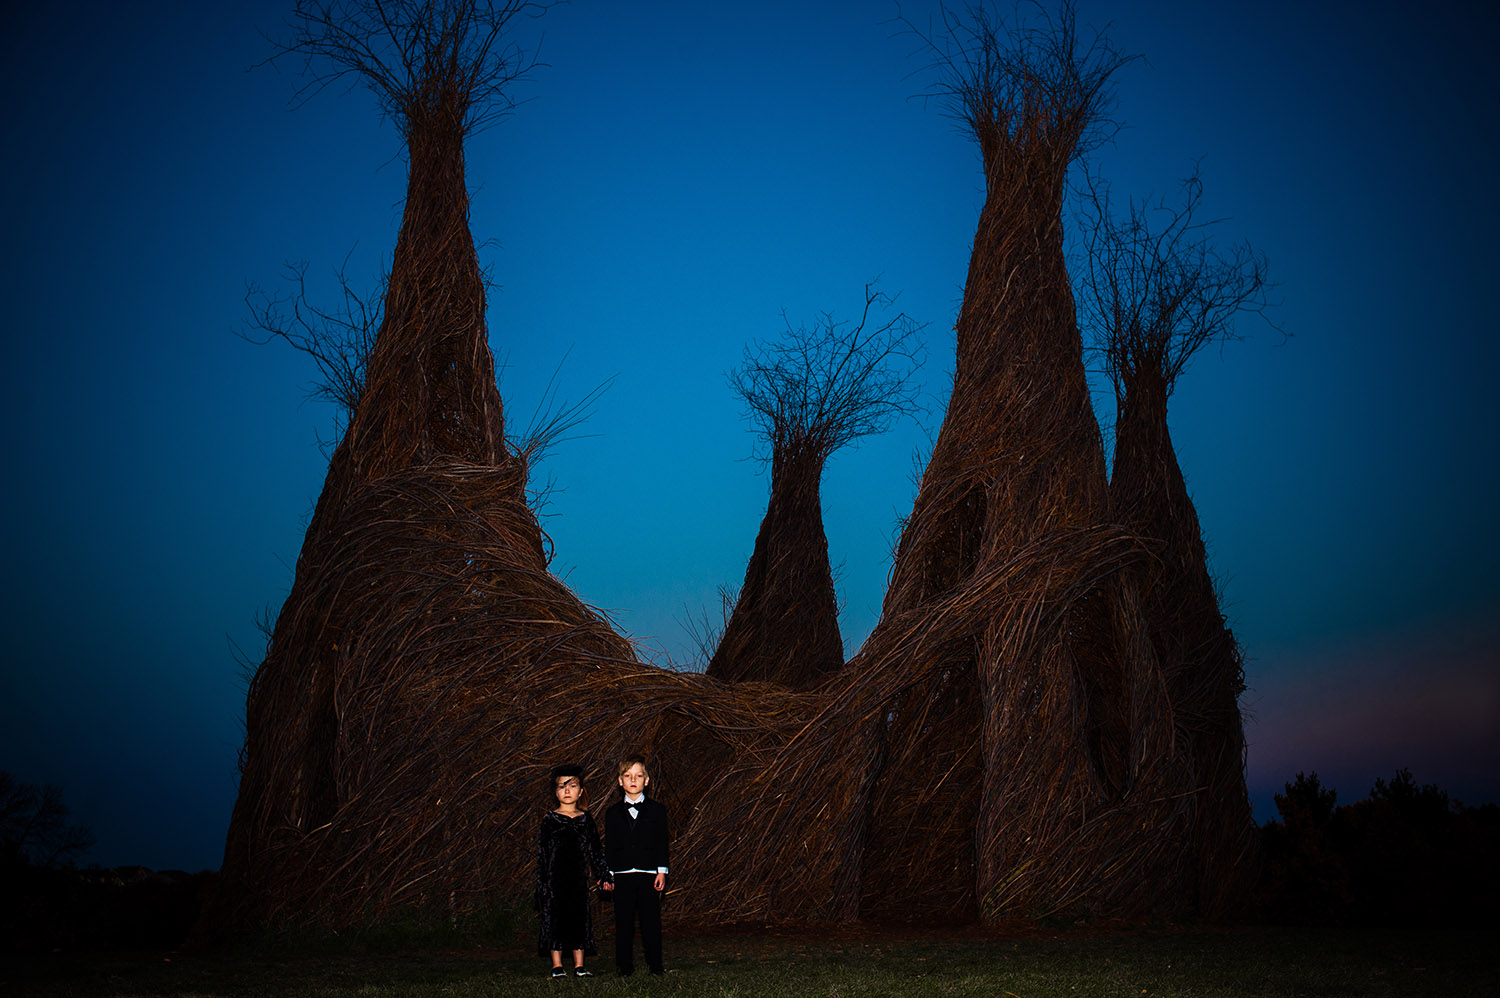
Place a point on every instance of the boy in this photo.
(635, 848)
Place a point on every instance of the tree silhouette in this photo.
(34, 827)
(1406, 855)
(1306, 803)
(1306, 878)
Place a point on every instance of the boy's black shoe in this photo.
(558, 972)
(581, 972)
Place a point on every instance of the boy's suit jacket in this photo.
(639, 843)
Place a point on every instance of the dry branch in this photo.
(338, 338)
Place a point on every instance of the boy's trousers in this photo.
(636, 897)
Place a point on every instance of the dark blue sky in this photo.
(684, 172)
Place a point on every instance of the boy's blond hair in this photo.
(634, 760)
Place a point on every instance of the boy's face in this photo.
(567, 789)
(634, 780)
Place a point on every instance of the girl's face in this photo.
(568, 790)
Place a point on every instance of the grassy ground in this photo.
(850, 962)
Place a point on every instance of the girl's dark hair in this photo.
(561, 772)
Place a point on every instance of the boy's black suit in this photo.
(638, 843)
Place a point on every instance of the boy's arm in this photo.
(661, 866)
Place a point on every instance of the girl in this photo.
(567, 851)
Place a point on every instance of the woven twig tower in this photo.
(367, 777)
(785, 624)
(426, 670)
(1032, 727)
(1156, 291)
(1199, 655)
(1003, 743)
(817, 389)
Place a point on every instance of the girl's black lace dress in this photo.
(566, 850)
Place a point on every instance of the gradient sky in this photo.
(683, 172)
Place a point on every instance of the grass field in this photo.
(1023, 964)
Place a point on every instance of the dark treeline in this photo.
(47, 903)
(46, 910)
(1406, 855)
